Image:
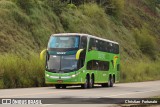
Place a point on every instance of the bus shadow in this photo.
(79, 87)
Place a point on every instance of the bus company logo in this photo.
(115, 61)
(61, 52)
(101, 56)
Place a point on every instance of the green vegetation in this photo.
(21, 72)
(146, 43)
(140, 71)
(27, 24)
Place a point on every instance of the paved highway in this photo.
(121, 90)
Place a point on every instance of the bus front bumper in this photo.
(56, 79)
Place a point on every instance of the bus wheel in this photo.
(91, 83)
(64, 86)
(58, 86)
(111, 81)
(85, 85)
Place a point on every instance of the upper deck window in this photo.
(104, 46)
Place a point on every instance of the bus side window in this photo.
(105, 47)
(96, 44)
(92, 44)
(100, 46)
(90, 47)
(102, 66)
(97, 65)
(83, 42)
(117, 48)
(89, 65)
(94, 65)
(111, 48)
(106, 65)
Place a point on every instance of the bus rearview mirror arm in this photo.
(78, 53)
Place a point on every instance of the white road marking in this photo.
(47, 105)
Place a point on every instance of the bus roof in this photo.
(82, 34)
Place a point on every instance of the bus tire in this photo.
(114, 79)
(91, 83)
(111, 81)
(58, 86)
(64, 86)
(85, 85)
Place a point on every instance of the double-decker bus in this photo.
(81, 59)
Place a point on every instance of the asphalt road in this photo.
(121, 90)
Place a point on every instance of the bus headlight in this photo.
(73, 75)
(47, 75)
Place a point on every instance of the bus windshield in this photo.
(65, 63)
(63, 42)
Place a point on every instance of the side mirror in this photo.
(42, 54)
(78, 53)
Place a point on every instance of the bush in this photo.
(71, 6)
(26, 5)
(7, 5)
(22, 72)
(152, 4)
(56, 5)
(85, 19)
(145, 42)
(92, 10)
(113, 7)
(141, 70)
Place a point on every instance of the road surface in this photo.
(121, 90)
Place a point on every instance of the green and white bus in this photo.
(81, 59)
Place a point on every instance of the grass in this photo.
(21, 72)
(1, 84)
(140, 71)
(28, 32)
(26, 27)
(157, 97)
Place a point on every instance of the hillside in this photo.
(25, 27)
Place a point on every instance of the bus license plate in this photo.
(59, 81)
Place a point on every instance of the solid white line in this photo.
(47, 104)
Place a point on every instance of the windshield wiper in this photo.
(58, 71)
(68, 70)
(52, 70)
